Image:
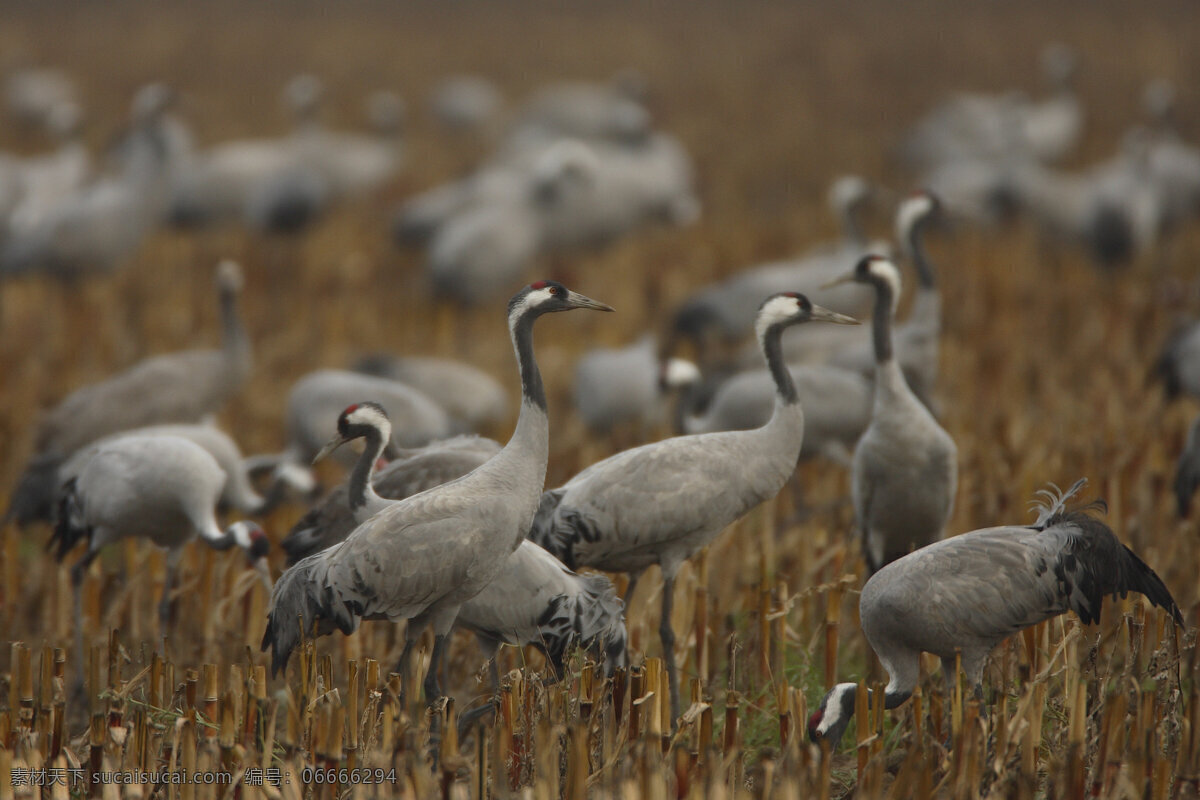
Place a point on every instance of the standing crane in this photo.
(425, 556)
(964, 595)
(161, 488)
(661, 502)
(905, 467)
(535, 600)
(171, 388)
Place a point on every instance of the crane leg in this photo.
(403, 666)
(433, 690)
(633, 580)
(667, 635)
(164, 604)
(77, 573)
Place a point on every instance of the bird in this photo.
(182, 387)
(905, 466)
(160, 488)
(471, 397)
(413, 471)
(915, 339)
(628, 384)
(464, 103)
(726, 311)
(238, 492)
(1187, 471)
(535, 600)
(315, 400)
(662, 502)
(32, 93)
(964, 595)
(837, 407)
(1178, 364)
(41, 182)
(100, 226)
(423, 557)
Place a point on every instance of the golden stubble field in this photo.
(1044, 366)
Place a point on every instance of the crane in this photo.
(661, 502)
(423, 557)
(964, 595)
(905, 467)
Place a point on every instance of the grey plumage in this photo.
(470, 395)
(332, 520)
(905, 468)
(661, 502)
(181, 387)
(966, 594)
(534, 600)
(1187, 470)
(1178, 366)
(725, 311)
(237, 493)
(160, 488)
(836, 402)
(627, 384)
(316, 399)
(421, 558)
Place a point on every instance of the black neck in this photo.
(773, 349)
(882, 321)
(916, 242)
(532, 389)
(360, 477)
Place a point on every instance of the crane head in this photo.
(832, 717)
(355, 422)
(542, 297)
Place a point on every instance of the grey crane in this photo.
(905, 466)
(837, 407)
(100, 226)
(423, 557)
(413, 471)
(238, 492)
(1178, 365)
(725, 311)
(534, 600)
(316, 399)
(661, 502)
(40, 183)
(915, 339)
(160, 488)
(32, 93)
(627, 384)
(465, 103)
(1187, 470)
(176, 387)
(966, 594)
(472, 397)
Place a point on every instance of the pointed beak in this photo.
(333, 444)
(822, 314)
(263, 569)
(847, 278)
(576, 300)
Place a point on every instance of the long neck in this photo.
(916, 250)
(364, 501)
(785, 389)
(234, 341)
(881, 328)
(532, 390)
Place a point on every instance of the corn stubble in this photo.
(1043, 365)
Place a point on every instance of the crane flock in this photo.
(442, 528)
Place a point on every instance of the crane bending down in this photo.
(661, 502)
(423, 557)
(156, 487)
(966, 594)
(905, 465)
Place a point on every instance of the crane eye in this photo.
(555, 290)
